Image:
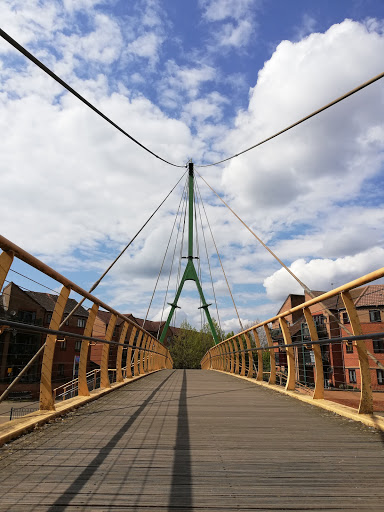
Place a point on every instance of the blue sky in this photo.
(200, 79)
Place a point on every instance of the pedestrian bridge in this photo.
(219, 438)
(195, 440)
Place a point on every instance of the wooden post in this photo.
(129, 353)
(82, 374)
(104, 378)
(222, 350)
(250, 356)
(228, 356)
(290, 355)
(272, 376)
(46, 398)
(119, 355)
(6, 259)
(260, 368)
(136, 368)
(242, 373)
(237, 359)
(143, 353)
(319, 377)
(232, 355)
(366, 398)
(150, 355)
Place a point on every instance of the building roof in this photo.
(331, 303)
(301, 296)
(371, 295)
(48, 302)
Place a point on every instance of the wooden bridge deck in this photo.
(195, 440)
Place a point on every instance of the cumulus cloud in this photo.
(323, 274)
(303, 174)
(236, 20)
(82, 189)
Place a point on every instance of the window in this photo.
(67, 322)
(169, 339)
(378, 346)
(380, 377)
(349, 347)
(374, 315)
(63, 345)
(48, 318)
(27, 316)
(77, 346)
(319, 319)
(352, 376)
(80, 322)
(345, 318)
(61, 369)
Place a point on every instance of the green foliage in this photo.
(189, 347)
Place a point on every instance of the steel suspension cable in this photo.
(180, 258)
(71, 313)
(328, 105)
(184, 209)
(165, 255)
(49, 72)
(209, 264)
(303, 285)
(198, 258)
(218, 255)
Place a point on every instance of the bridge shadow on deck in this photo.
(182, 434)
(197, 441)
(181, 486)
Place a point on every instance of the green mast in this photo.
(190, 273)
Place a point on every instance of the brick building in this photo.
(100, 329)
(17, 348)
(340, 360)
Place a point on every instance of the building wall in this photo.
(17, 348)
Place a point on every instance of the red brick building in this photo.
(100, 330)
(369, 302)
(340, 360)
(17, 348)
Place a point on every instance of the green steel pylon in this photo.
(190, 273)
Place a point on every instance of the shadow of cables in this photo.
(84, 477)
(181, 487)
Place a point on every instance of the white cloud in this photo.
(29, 21)
(323, 274)
(146, 46)
(78, 182)
(303, 173)
(218, 10)
(78, 5)
(236, 21)
(236, 35)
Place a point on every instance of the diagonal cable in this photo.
(165, 255)
(313, 114)
(49, 72)
(303, 285)
(209, 263)
(221, 263)
(184, 210)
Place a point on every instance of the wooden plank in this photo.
(195, 440)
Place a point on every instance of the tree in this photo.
(189, 347)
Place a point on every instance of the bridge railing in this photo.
(345, 356)
(143, 349)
